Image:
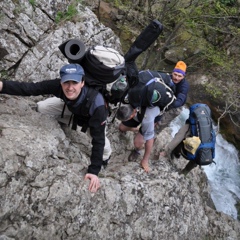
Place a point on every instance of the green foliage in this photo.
(117, 3)
(214, 91)
(32, 2)
(203, 28)
(228, 2)
(69, 14)
(18, 9)
(216, 57)
(120, 3)
(4, 74)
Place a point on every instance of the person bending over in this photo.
(131, 119)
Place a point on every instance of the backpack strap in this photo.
(74, 119)
(89, 99)
(64, 107)
(141, 113)
(71, 117)
(160, 80)
(86, 105)
(84, 109)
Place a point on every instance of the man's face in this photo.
(72, 89)
(177, 77)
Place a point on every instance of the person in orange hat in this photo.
(181, 92)
(179, 72)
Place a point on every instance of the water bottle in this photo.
(121, 83)
(119, 87)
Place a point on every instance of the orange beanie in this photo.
(180, 67)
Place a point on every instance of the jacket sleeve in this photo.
(182, 89)
(31, 88)
(97, 125)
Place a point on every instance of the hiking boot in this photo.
(191, 165)
(133, 155)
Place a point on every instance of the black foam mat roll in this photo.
(74, 50)
(144, 40)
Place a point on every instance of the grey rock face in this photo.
(42, 163)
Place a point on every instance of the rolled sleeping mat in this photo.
(144, 40)
(73, 49)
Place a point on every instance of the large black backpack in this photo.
(102, 65)
(201, 125)
(150, 83)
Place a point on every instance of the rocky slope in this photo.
(42, 163)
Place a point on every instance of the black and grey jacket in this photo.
(95, 120)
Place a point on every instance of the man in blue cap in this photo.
(70, 91)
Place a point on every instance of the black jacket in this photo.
(96, 119)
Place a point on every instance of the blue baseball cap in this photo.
(71, 72)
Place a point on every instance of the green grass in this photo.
(67, 15)
(32, 2)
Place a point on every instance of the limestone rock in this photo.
(42, 163)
